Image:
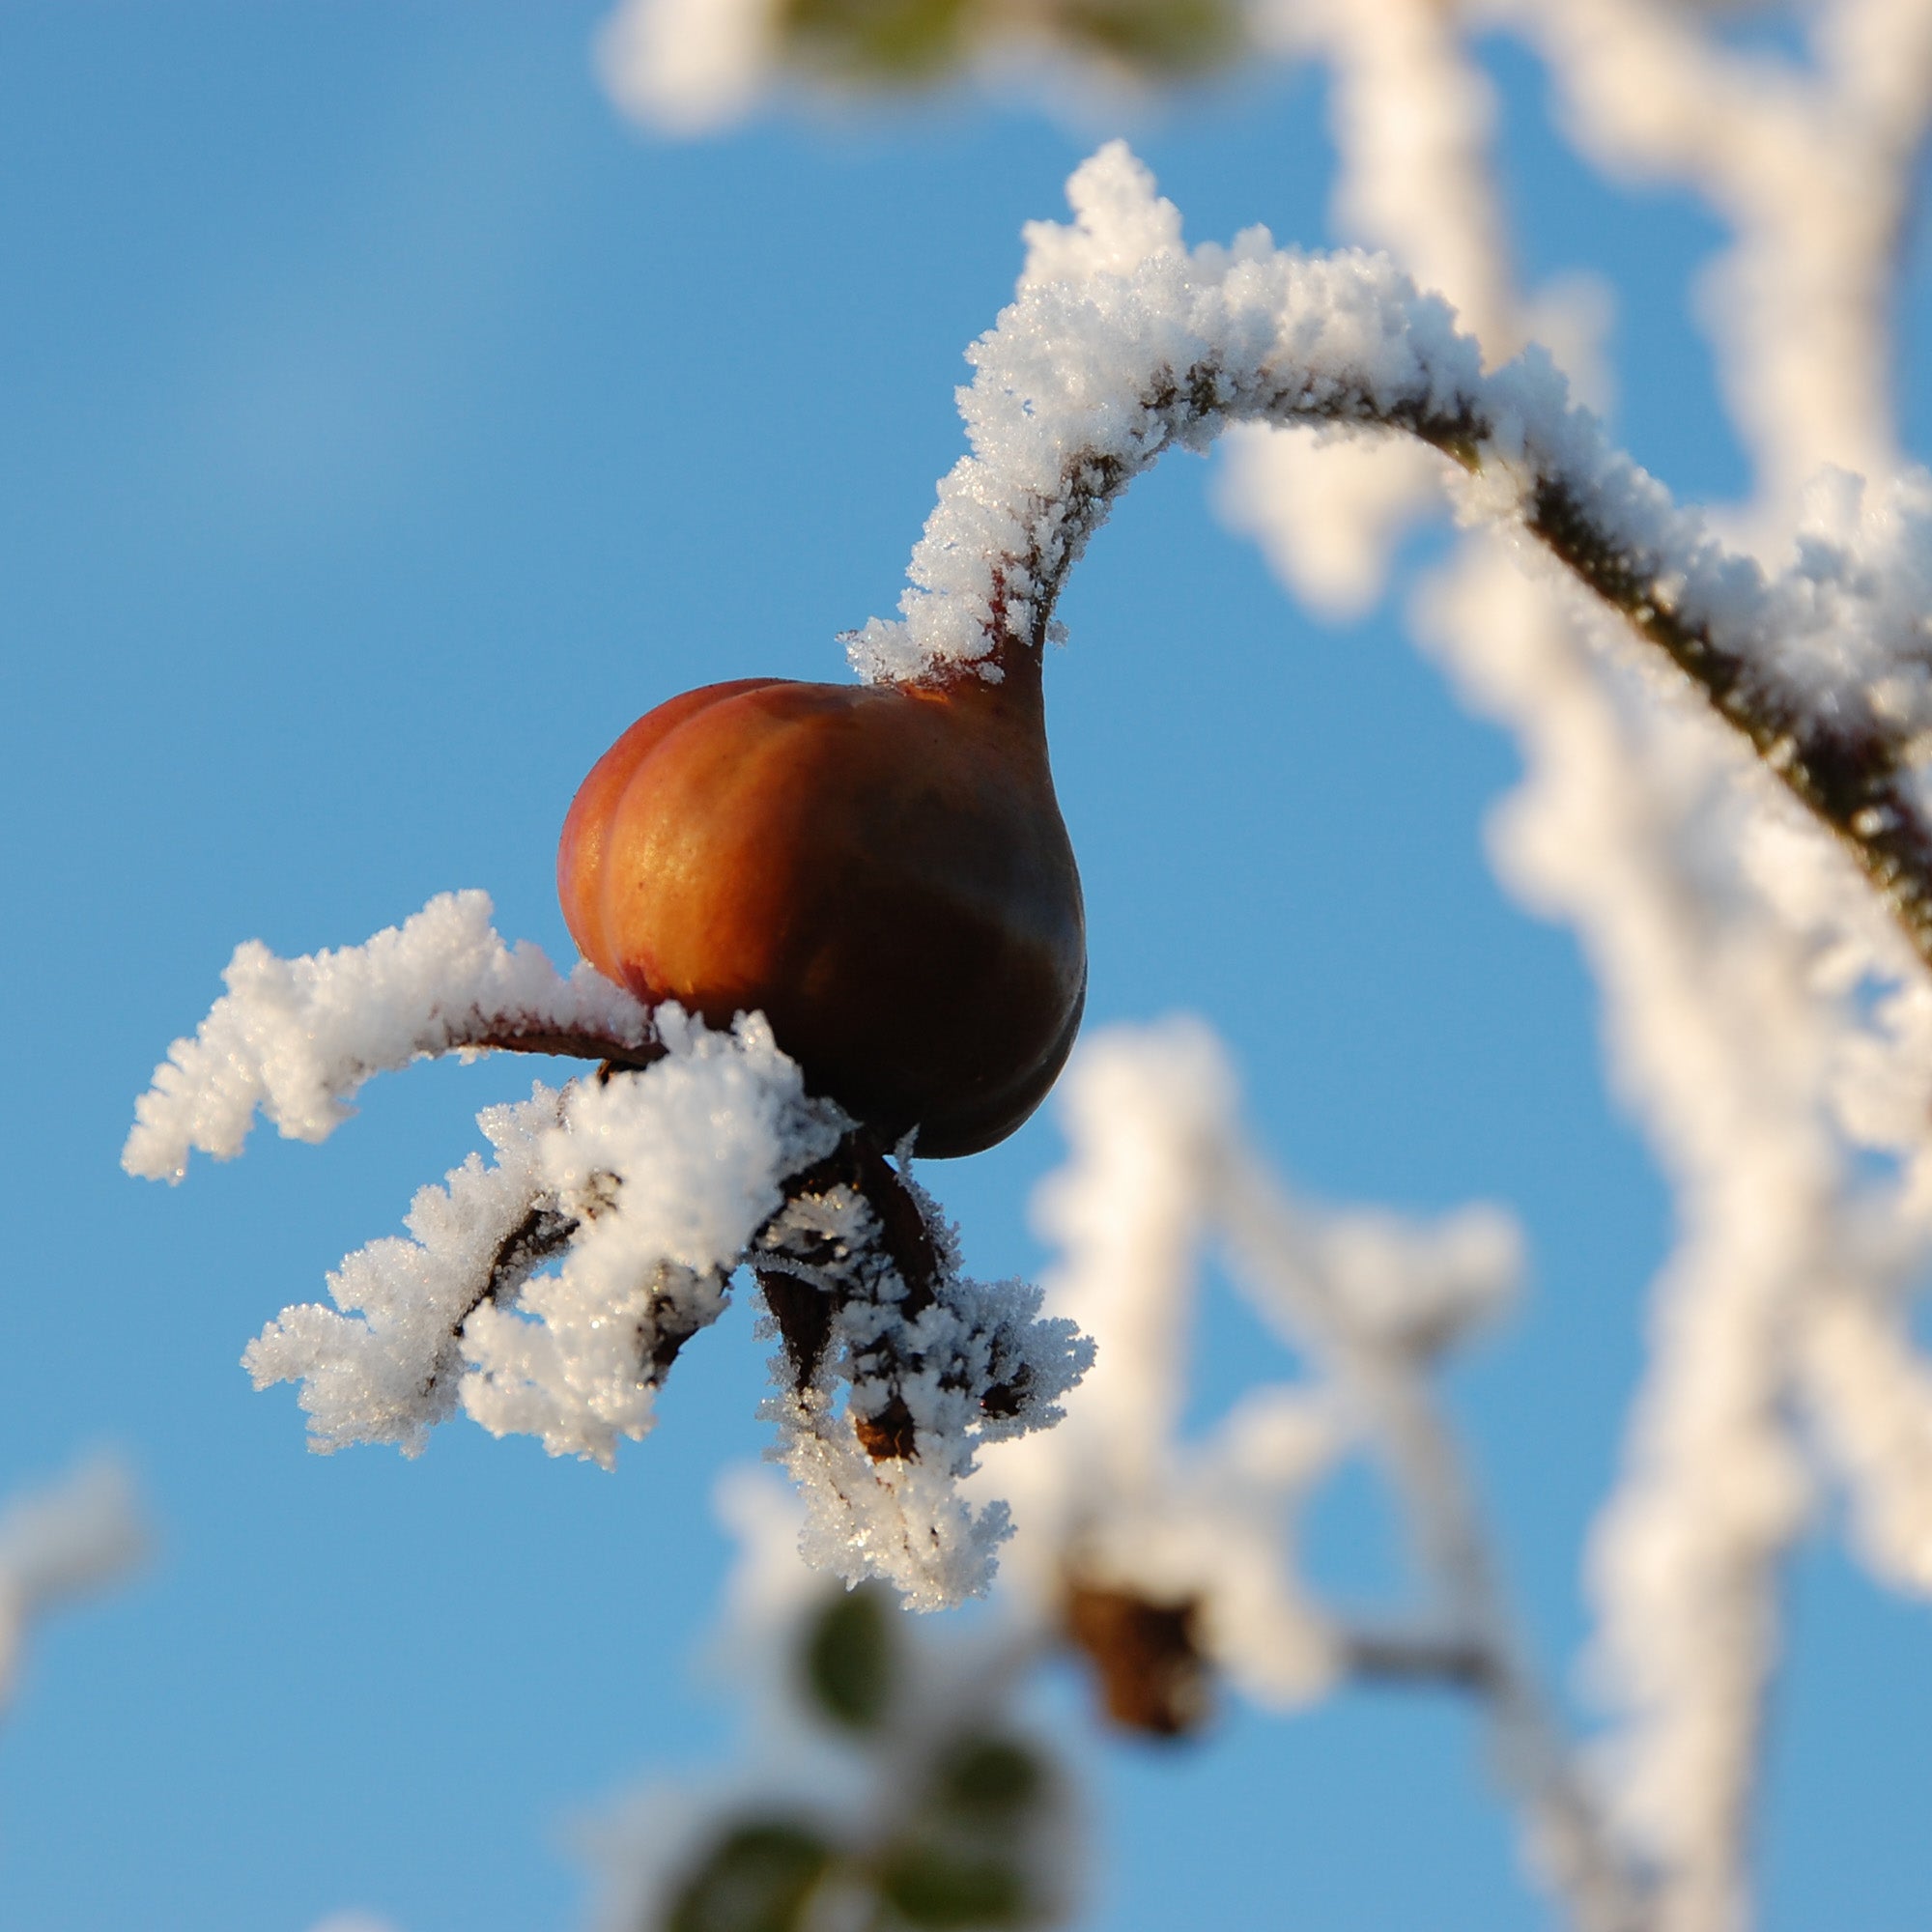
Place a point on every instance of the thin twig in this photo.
(1417, 1657)
(812, 1276)
(499, 1032)
(1848, 764)
(542, 1235)
(1477, 1647)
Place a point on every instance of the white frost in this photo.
(386, 1367)
(647, 1187)
(907, 1519)
(1123, 342)
(698, 1146)
(296, 1037)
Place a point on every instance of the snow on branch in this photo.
(550, 1291)
(1124, 343)
(642, 1188)
(296, 1037)
(1174, 1554)
(861, 1277)
(1129, 1523)
(1810, 159)
(76, 1535)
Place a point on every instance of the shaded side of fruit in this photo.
(882, 870)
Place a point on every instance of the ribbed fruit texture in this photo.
(881, 869)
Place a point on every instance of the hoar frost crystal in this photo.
(548, 1291)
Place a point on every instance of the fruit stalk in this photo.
(854, 1239)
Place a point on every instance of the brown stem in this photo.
(501, 1034)
(1845, 763)
(1393, 1656)
(805, 1308)
(803, 1315)
(542, 1233)
(1844, 766)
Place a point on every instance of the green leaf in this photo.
(758, 1878)
(932, 1887)
(988, 1781)
(850, 1659)
(875, 39)
(1162, 39)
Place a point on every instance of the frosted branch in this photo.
(644, 1188)
(1734, 1024)
(1869, 1392)
(550, 1291)
(387, 1367)
(296, 1037)
(1811, 165)
(862, 1280)
(1124, 344)
(1176, 1550)
(1322, 1305)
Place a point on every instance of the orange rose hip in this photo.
(881, 869)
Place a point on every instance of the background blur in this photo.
(383, 425)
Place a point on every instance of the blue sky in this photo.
(386, 425)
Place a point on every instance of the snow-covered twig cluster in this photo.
(549, 1292)
(1160, 1174)
(861, 1276)
(1771, 1031)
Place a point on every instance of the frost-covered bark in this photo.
(1768, 1029)
(549, 1292)
(1124, 344)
